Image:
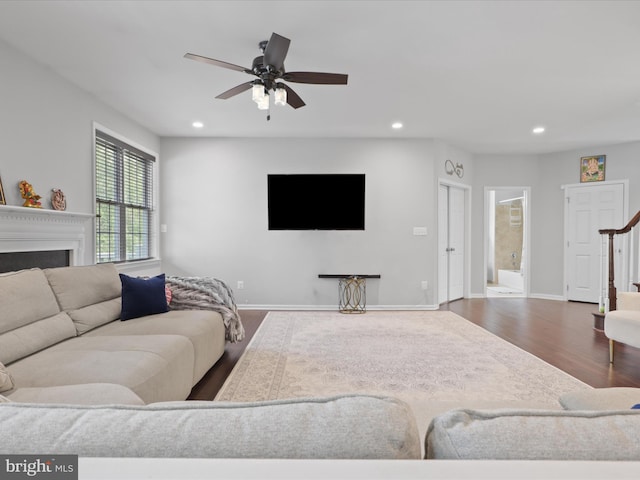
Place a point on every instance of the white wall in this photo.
(497, 171)
(214, 193)
(546, 174)
(562, 168)
(214, 203)
(46, 132)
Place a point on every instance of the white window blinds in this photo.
(124, 200)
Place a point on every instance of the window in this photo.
(124, 201)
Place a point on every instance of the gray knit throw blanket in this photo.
(206, 293)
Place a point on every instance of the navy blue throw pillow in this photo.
(142, 296)
(636, 407)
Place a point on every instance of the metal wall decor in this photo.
(450, 168)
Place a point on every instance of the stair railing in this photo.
(611, 233)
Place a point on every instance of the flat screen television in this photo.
(316, 201)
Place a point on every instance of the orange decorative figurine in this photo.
(30, 198)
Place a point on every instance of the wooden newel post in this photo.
(612, 287)
(626, 229)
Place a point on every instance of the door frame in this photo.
(467, 237)
(622, 277)
(526, 215)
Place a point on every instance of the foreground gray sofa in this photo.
(343, 427)
(606, 435)
(62, 340)
(596, 424)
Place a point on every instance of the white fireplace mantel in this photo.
(24, 229)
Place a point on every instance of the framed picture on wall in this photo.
(592, 168)
(2, 199)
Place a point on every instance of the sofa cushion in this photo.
(87, 293)
(93, 316)
(614, 398)
(4, 399)
(30, 319)
(82, 394)
(347, 427)
(534, 435)
(155, 367)
(204, 328)
(142, 296)
(6, 380)
(34, 337)
(25, 297)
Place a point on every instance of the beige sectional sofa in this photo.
(62, 340)
(87, 383)
(119, 386)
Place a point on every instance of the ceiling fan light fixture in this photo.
(269, 68)
(280, 97)
(257, 92)
(263, 103)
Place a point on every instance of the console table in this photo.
(352, 291)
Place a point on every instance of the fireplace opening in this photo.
(12, 261)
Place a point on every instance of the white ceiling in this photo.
(477, 74)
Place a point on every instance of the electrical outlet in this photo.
(240, 284)
(425, 285)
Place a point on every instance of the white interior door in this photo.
(451, 243)
(456, 243)
(443, 244)
(589, 209)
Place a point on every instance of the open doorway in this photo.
(506, 241)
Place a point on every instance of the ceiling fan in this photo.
(269, 68)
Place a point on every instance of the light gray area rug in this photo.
(435, 361)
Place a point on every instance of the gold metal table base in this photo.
(353, 295)
(352, 291)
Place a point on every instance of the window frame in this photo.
(152, 227)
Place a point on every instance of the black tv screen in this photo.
(316, 201)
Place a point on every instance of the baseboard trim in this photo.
(544, 296)
(335, 308)
(541, 296)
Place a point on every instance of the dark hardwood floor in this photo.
(560, 333)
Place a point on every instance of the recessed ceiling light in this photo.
(538, 130)
(197, 124)
(396, 125)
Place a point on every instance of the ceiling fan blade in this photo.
(316, 77)
(293, 98)
(276, 51)
(217, 63)
(235, 90)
